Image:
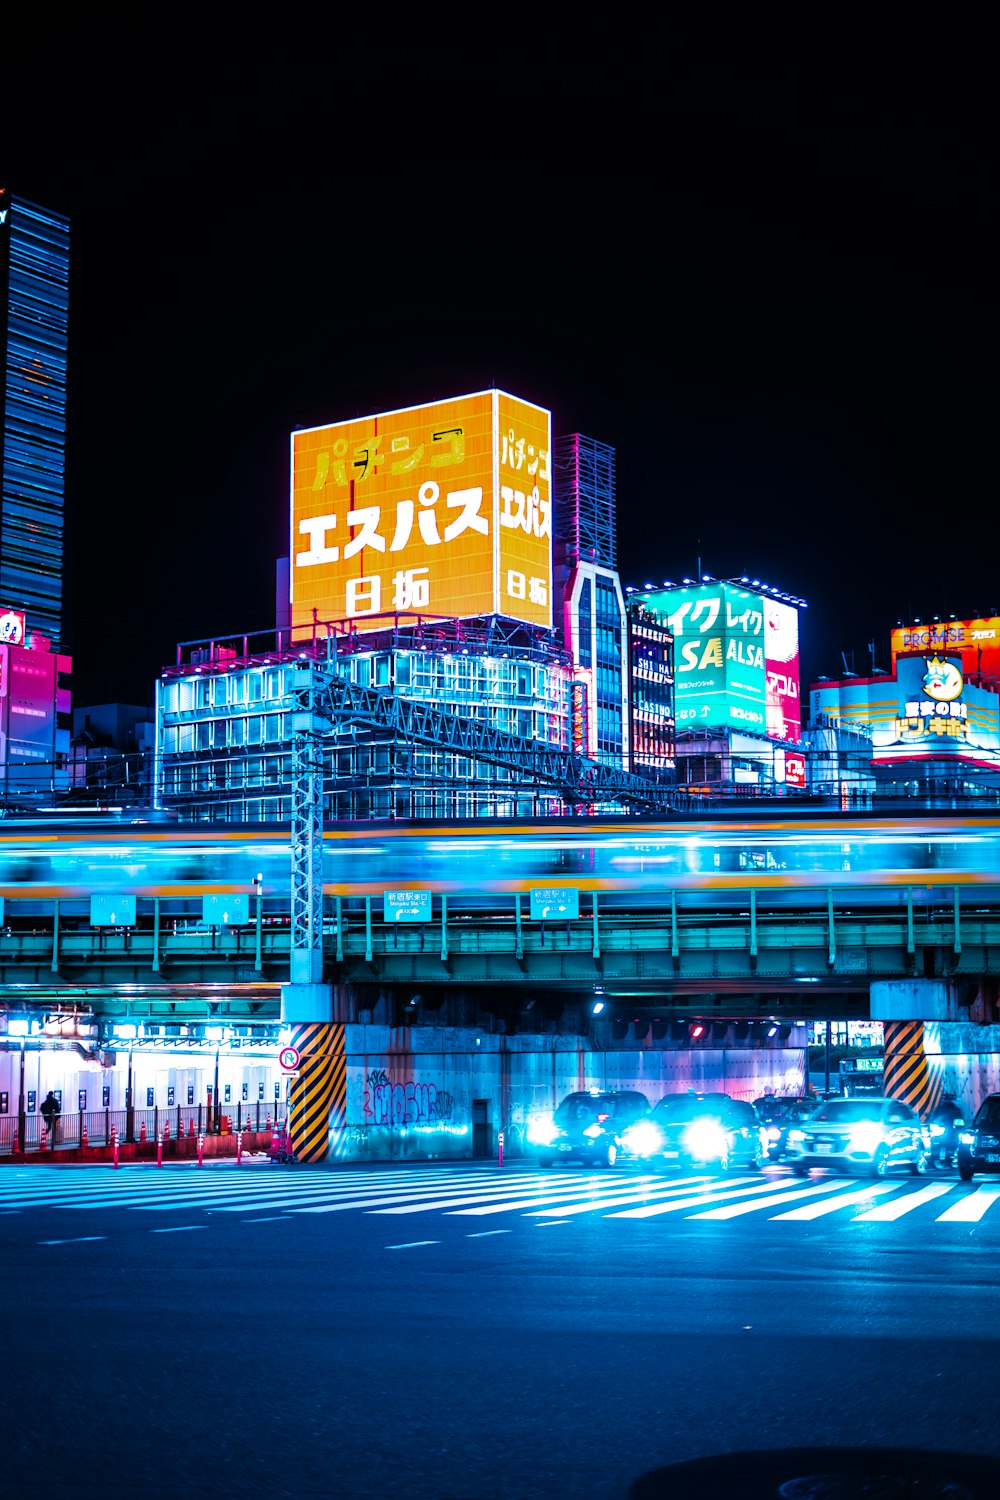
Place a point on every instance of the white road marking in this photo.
(80, 1240)
(484, 1234)
(177, 1228)
(734, 1210)
(900, 1206)
(716, 1192)
(815, 1210)
(413, 1244)
(971, 1209)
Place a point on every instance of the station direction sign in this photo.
(407, 906)
(548, 902)
(230, 910)
(112, 909)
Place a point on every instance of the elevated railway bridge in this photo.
(608, 928)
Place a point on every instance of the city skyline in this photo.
(792, 365)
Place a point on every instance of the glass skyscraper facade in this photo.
(34, 318)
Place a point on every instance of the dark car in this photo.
(979, 1144)
(696, 1130)
(586, 1127)
(778, 1117)
(866, 1135)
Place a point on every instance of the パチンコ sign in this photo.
(437, 511)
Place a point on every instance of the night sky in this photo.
(779, 306)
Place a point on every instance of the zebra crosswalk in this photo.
(259, 1192)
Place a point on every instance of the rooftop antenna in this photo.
(848, 670)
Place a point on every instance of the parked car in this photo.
(695, 1130)
(859, 1135)
(778, 1117)
(586, 1127)
(979, 1144)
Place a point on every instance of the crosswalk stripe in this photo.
(543, 1194)
(477, 1190)
(830, 1205)
(900, 1206)
(971, 1209)
(422, 1199)
(735, 1210)
(657, 1193)
(712, 1194)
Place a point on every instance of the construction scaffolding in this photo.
(586, 506)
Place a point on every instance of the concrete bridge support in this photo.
(318, 1104)
(934, 1045)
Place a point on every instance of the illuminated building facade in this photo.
(224, 725)
(34, 721)
(421, 566)
(34, 307)
(651, 688)
(736, 684)
(594, 626)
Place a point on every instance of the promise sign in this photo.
(431, 512)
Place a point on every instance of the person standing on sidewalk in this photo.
(50, 1114)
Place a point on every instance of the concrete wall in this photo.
(412, 1092)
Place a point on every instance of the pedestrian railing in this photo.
(95, 1127)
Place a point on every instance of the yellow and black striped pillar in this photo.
(318, 1108)
(906, 1074)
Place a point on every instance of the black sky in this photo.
(777, 300)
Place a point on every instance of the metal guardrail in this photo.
(95, 1127)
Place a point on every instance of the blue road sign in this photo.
(114, 910)
(548, 902)
(406, 906)
(226, 911)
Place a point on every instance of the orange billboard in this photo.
(436, 511)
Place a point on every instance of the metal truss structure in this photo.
(325, 702)
(584, 480)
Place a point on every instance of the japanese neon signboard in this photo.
(443, 510)
(938, 713)
(781, 665)
(977, 642)
(720, 676)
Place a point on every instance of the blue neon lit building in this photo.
(34, 308)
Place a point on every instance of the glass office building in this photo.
(34, 308)
(224, 717)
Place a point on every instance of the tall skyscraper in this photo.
(34, 307)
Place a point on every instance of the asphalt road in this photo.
(468, 1332)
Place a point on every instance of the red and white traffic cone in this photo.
(166, 1130)
(84, 1142)
(45, 1136)
(191, 1129)
(142, 1133)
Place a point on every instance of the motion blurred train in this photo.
(482, 864)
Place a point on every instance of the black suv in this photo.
(586, 1127)
(979, 1143)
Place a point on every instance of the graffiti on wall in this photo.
(388, 1103)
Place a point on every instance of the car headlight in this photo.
(967, 1138)
(593, 1131)
(773, 1133)
(541, 1130)
(937, 1130)
(643, 1139)
(866, 1136)
(796, 1135)
(705, 1138)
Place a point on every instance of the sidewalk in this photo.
(254, 1142)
